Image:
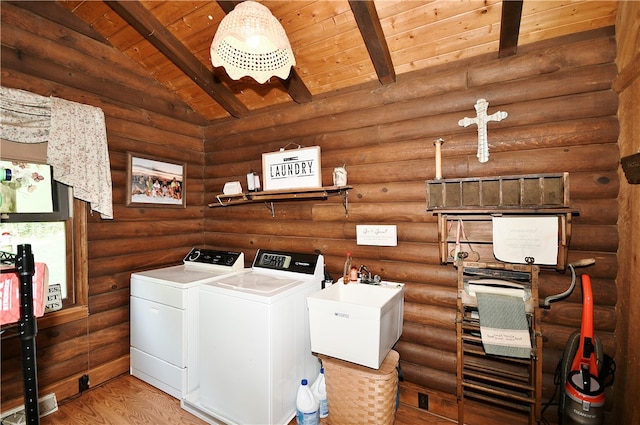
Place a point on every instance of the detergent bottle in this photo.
(319, 389)
(306, 405)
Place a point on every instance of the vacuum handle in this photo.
(586, 356)
(586, 329)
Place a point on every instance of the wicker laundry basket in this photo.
(361, 395)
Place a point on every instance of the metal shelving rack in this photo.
(27, 327)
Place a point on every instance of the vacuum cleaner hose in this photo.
(581, 263)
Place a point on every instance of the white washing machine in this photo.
(164, 318)
(254, 340)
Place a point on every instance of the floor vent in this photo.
(47, 405)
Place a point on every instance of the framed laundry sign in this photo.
(292, 169)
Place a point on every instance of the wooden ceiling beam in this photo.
(510, 27)
(294, 85)
(228, 6)
(136, 15)
(371, 29)
(59, 14)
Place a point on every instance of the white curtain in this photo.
(77, 141)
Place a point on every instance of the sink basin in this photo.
(356, 322)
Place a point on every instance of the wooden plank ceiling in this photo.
(337, 43)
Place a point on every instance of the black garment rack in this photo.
(27, 329)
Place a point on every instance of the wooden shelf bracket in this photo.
(271, 196)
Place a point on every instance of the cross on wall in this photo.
(481, 121)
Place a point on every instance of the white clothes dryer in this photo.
(164, 318)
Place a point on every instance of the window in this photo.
(48, 240)
(58, 239)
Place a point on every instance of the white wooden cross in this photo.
(481, 121)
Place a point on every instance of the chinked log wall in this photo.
(141, 117)
(562, 117)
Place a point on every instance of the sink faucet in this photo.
(372, 280)
(364, 279)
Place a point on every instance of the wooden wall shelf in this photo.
(471, 203)
(523, 191)
(271, 196)
(478, 234)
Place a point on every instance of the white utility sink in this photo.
(356, 322)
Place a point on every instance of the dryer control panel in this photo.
(209, 257)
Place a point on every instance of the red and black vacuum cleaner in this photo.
(582, 400)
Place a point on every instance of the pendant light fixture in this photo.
(250, 41)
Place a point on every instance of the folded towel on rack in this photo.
(503, 325)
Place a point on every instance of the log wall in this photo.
(141, 117)
(562, 117)
(627, 85)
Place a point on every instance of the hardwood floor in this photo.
(123, 401)
(129, 401)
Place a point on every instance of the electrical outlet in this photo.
(423, 401)
(83, 383)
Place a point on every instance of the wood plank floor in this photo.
(129, 401)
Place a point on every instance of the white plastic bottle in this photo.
(306, 405)
(251, 182)
(319, 389)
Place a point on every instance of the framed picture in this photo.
(292, 169)
(153, 182)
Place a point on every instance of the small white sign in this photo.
(54, 298)
(379, 235)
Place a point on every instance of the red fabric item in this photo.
(10, 294)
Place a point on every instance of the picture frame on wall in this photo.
(155, 182)
(292, 169)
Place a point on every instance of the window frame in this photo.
(78, 308)
(75, 306)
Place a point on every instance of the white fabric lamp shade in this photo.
(250, 41)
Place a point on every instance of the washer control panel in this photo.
(286, 261)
